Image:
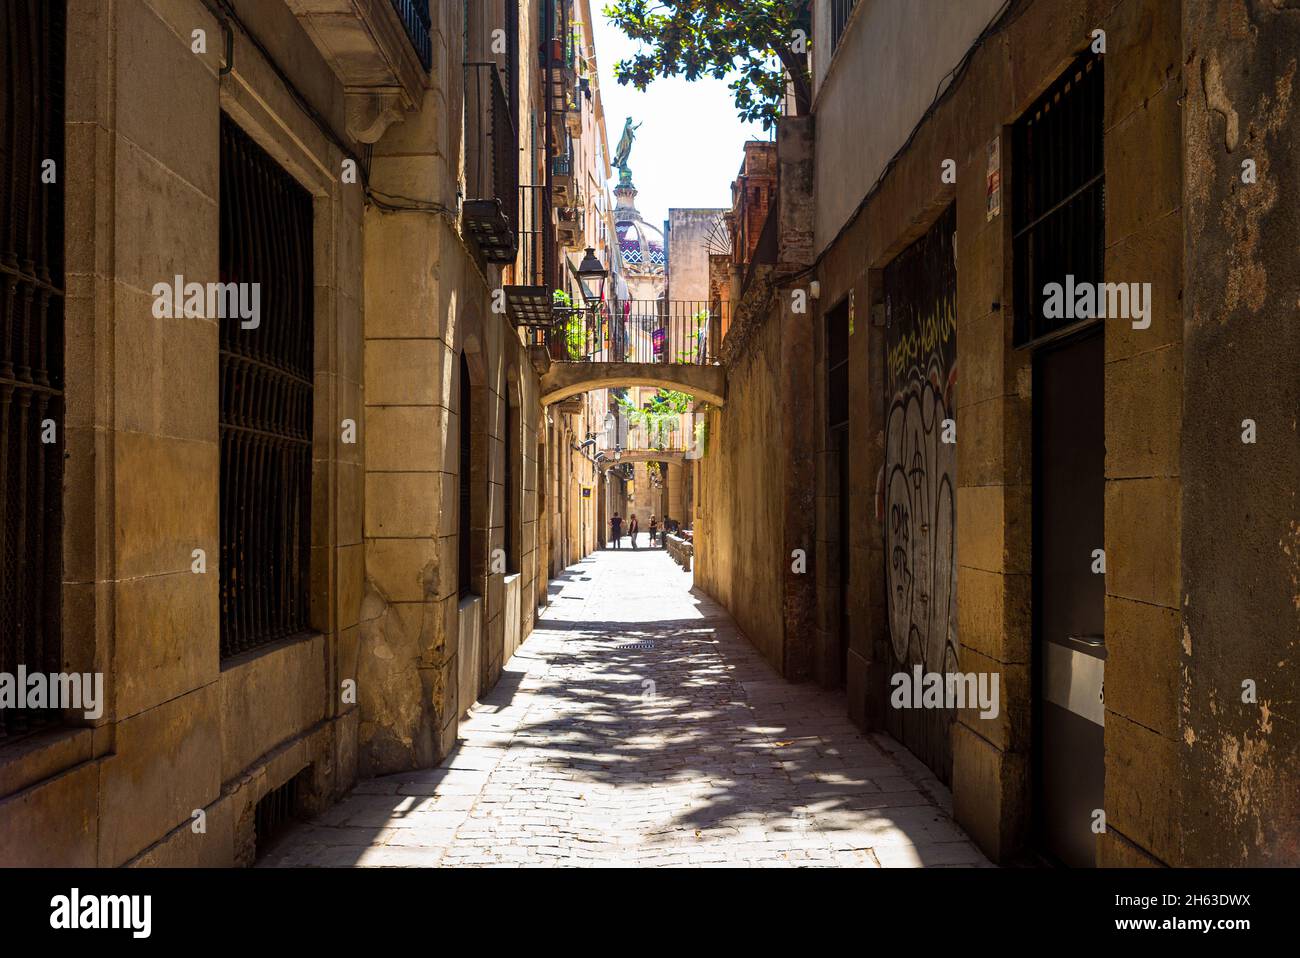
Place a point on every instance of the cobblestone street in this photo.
(636, 726)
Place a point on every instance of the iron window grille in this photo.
(273, 815)
(32, 38)
(511, 450)
(465, 565)
(266, 376)
(840, 12)
(1059, 223)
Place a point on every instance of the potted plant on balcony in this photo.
(556, 47)
(569, 332)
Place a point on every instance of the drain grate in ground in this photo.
(641, 646)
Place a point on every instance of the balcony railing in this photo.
(415, 18)
(562, 172)
(529, 300)
(558, 55)
(674, 332)
(569, 226)
(562, 165)
(491, 164)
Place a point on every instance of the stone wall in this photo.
(427, 651)
(992, 787)
(740, 505)
(688, 254)
(398, 297)
(184, 736)
(754, 497)
(1175, 207)
(1239, 562)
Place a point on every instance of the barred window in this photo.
(511, 451)
(31, 345)
(840, 10)
(1059, 224)
(464, 563)
(266, 400)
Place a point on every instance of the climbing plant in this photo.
(575, 331)
(661, 416)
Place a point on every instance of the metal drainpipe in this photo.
(548, 249)
(464, 31)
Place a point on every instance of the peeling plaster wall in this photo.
(1241, 514)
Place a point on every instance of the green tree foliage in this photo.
(759, 44)
(661, 416)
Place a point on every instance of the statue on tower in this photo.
(621, 153)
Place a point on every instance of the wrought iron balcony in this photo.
(490, 213)
(415, 18)
(559, 59)
(674, 332)
(381, 51)
(569, 228)
(529, 300)
(562, 171)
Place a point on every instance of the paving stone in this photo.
(691, 753)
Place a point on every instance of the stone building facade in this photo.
(1000, 488)
(577, 512)
(753, 496)
(296, 557)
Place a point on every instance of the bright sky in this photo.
(689, 149)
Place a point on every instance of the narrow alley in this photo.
(637, 726)
(946, 350)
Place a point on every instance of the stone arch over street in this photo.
(564, 380)
(675, 457)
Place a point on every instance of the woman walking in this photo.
(654, 529)
(632, 530)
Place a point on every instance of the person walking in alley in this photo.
(633, 529)
(654, 528)
(616, 531)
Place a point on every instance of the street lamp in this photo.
(591, 268)
(611, 430)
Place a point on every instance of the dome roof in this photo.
(640, 245)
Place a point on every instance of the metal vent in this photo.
(275, 812)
